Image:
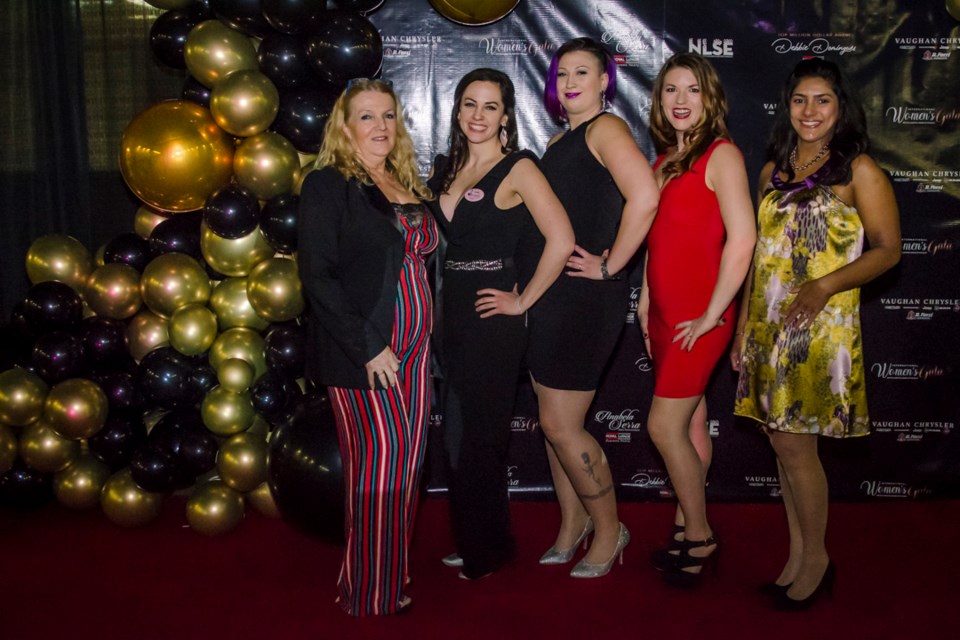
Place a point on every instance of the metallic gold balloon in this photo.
(59, 257)
(953, 8)
(229, 301)
(173, 155)
(242, 462)
(21, 396)
(274, 290)
(262, 500)
(75, 408)
(474, 12)
(213, 51)
(193, 328)
(239, 343)
(306, 159)
(113, 291)
(234, 257)
(125, 503)
(267, 164)
(244, 103)
(146, 332)
(214, 508)
(173, 280)
(235, 375)
(170, 4)
(145, 220)
(226, 413)
(79, 485)
(259, 428)
(98, 260)
(44, 449)
(8, 448)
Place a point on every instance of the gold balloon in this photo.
(193, 328)
(145, 220)
(98, 259)
(113, 291)
(230, 302)
(239, 343)
(953, 8)
(59, 257)
(234, 257)
(226, 413)
(259, 428)
(170, 4)
(125, 503)
(173, 280)
(242, 462)
(21, 396)
(214, 508)
(474, 12)
(266, 164)
(262, 500)
(79, 485)
(146, 332)
(235, 375)
(274, 290)
(8, 448)
(76, 408)
(44, 449)
(173, 155)
(306, 159)
(213, 51)
(244, 103)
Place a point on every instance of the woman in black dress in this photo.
(607, 187)
(489, 198)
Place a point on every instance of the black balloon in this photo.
(120, 388)
(24, 488)
(242, 15)
(104, 340)
(154, 468)
(120, 437)
(232, 212)
(273, 395)
(302, 116)
(305, 471)
(278, 222)
(196, 92)
(58, 355)
(345, 45)
(283, 59)
(198, 452)
(202, 378)
(285, 349)
(164, 379)
(128, 248)
(292, 16)
(168, 35)
(363, 6)
(193, 446)
(51, 305)
(179, 233)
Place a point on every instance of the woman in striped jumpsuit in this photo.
(363, 238)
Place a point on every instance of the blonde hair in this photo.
(338, 152)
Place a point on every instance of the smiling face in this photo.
(580, 81)
(680, 99)
(814, 110)
(371, 126)
(481, 112)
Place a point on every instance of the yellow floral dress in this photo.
(803, 380)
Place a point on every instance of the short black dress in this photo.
(576, 324)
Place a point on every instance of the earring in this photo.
(504, 138)
(603, 101)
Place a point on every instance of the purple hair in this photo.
(550, 97)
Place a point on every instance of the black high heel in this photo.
(773, 590)
(786, 603)
(675, 576)
(664, 559)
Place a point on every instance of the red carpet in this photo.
(77, 576)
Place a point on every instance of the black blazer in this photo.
(350, 254)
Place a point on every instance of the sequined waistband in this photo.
(497, 264)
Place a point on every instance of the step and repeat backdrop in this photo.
(903, 56)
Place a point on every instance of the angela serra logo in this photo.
(513, 475)
(629, 45)
(620, 426)
(921, 308)
(634, 303)
(643, 364)
(515, 47)
(711, 47)
(905, 371)
(816, 44)
(402, 45)
(523, 424)
(656, 480)
(887, 489)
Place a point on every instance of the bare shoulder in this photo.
(608, 125)
(865, 169)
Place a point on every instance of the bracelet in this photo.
(606, 274)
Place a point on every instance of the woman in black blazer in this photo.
(363, 237)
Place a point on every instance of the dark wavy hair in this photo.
(607, 65)
(712, 124)
(850, 137)
(457, 155)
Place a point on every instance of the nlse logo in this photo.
(711, 47)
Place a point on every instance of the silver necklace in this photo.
(824, 148)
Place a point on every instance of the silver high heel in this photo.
(557, 556)
(584, 569)
(452, 560)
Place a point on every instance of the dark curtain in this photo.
(73, 73)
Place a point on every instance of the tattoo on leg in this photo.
(588, 467)
(598, 495)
